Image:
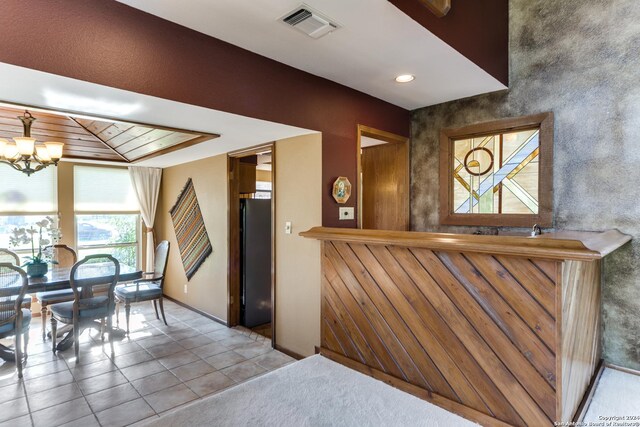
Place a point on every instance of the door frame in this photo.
(233, 215)
(391, 138)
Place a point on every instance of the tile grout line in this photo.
(192, 326)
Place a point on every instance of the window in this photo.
(263, 190)
(106, 214)
(497, 173)
(25, 200)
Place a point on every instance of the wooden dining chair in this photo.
(148, 288)
(13, 258)
(64, 257)
(86, 308)
(14, 320)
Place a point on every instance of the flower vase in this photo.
(37, 269)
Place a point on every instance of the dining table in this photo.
(59, 278)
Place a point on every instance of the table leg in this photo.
(67, 341)
(61, 331)
(7, 354)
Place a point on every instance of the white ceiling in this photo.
(33, 88)
(376, 42)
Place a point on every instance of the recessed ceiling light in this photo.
(405, 78)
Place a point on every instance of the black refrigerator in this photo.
(255, 262)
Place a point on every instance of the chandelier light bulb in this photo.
(25, 145)
(11, 151)
(43, 153)
(54, 149)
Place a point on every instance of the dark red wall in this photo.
(109, 43)
(478, 29)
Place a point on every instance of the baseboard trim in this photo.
(586, 400)
(289, 352)
(622, 369)
(200, 312)
(436, 399)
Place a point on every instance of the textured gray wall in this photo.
(581, 60)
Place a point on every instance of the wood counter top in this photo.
(563, 245)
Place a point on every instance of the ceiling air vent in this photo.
(310, 22)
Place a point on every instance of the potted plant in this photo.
(37, 264)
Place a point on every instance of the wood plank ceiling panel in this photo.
(127, 135)
(138, 142)
(159, 144)
(135, 142)
(79, 143)
(100, 139)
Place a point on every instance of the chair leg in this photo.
(156, 308)
(54, 333)
(43, 313)
(18, 339)
(25, 338)
(117, 314)
(127, 311)
(109, 327)
(102, 322)
(162, 310)
(76, 339)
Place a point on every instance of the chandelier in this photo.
(24, 154)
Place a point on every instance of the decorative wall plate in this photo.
(342, 189)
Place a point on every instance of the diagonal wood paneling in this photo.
(406, 274)
(404, 345)
(438, 320)
(475, 324)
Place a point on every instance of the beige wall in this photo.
(207, 289)
(65, 203)
(298, 199)
(298, 183)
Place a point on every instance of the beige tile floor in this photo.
(156, 369)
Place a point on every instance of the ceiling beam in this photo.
(439, 7)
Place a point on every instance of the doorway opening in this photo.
(383, 180)
(251, 286)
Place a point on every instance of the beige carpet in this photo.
(312, 392)
(616, 400)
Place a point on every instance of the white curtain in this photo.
(146, 183)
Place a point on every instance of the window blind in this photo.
(20, 193)
(100, 189)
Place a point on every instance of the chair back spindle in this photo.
(14, 320)
(13, 286)
(9, 256)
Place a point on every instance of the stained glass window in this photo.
(496, 174)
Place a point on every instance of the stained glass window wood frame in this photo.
(544, 124)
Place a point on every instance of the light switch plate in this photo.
(287, 227)
(346, 213)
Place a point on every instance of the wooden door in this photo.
(385, 187)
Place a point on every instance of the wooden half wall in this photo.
(496, 337)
